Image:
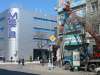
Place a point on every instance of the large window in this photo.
(94, 6)
(75, 3)
(96, 28)
(81, 12)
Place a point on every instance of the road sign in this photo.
(52, 38)
(52, 43)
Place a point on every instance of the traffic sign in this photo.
(52, 43)
(52, 38)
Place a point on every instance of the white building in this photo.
(23, 31)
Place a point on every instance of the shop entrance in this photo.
(39, 54)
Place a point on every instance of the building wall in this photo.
(25, 42)
(79, 7)
(3, 34)
(93, 14)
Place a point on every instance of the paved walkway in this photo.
(33, 65)
(39, 69)
(34, 62)
(43, 68)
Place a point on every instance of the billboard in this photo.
(80, 12)
(75, 3)
(72, 39)
(12, 22)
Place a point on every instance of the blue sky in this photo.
(47, 6)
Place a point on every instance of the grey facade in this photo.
(93, 14)
(79, 7)
(32, 32)
(3, 34)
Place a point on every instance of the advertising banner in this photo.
(81, 13)
(76, 58)
(73, 39)
(12, 22)
(75, 3)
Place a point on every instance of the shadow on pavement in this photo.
(8, 72)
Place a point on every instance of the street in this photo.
(34, 69)
(8, 72)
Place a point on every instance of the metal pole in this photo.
(52, 55)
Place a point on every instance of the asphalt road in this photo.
(33, 69)
(9, 72)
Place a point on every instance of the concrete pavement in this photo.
(39, 69)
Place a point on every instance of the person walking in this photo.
(19, 61)
(11, 59)
(4, 59)
(23, 61)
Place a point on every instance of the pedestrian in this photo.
(23, 62)
(20, 66)
(4, 59)
(19, 61)
(11, 58)
(42, 62)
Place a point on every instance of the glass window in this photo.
(94, 6)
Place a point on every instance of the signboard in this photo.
(73, 39)
(76, 58)
(52, 43)
(75, 3)
(52, 38)
(12, 21)
(81, 12)
(76, 27)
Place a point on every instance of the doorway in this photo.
(39, 54)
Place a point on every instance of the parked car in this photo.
(97, 70)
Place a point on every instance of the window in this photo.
(96, 28)
(94, 6)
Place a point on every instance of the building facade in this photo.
(93, 15)
(22, 32)
(89, 9)
(79, 7)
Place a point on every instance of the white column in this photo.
(13, 14)
(12, 48)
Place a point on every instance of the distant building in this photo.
(90, 10)
(25, 33)
(93, 14)
(79, 7)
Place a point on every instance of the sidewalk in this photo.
(34, 62)
(45, 68)
(35, 66)
(16, 62)
(39, 69)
